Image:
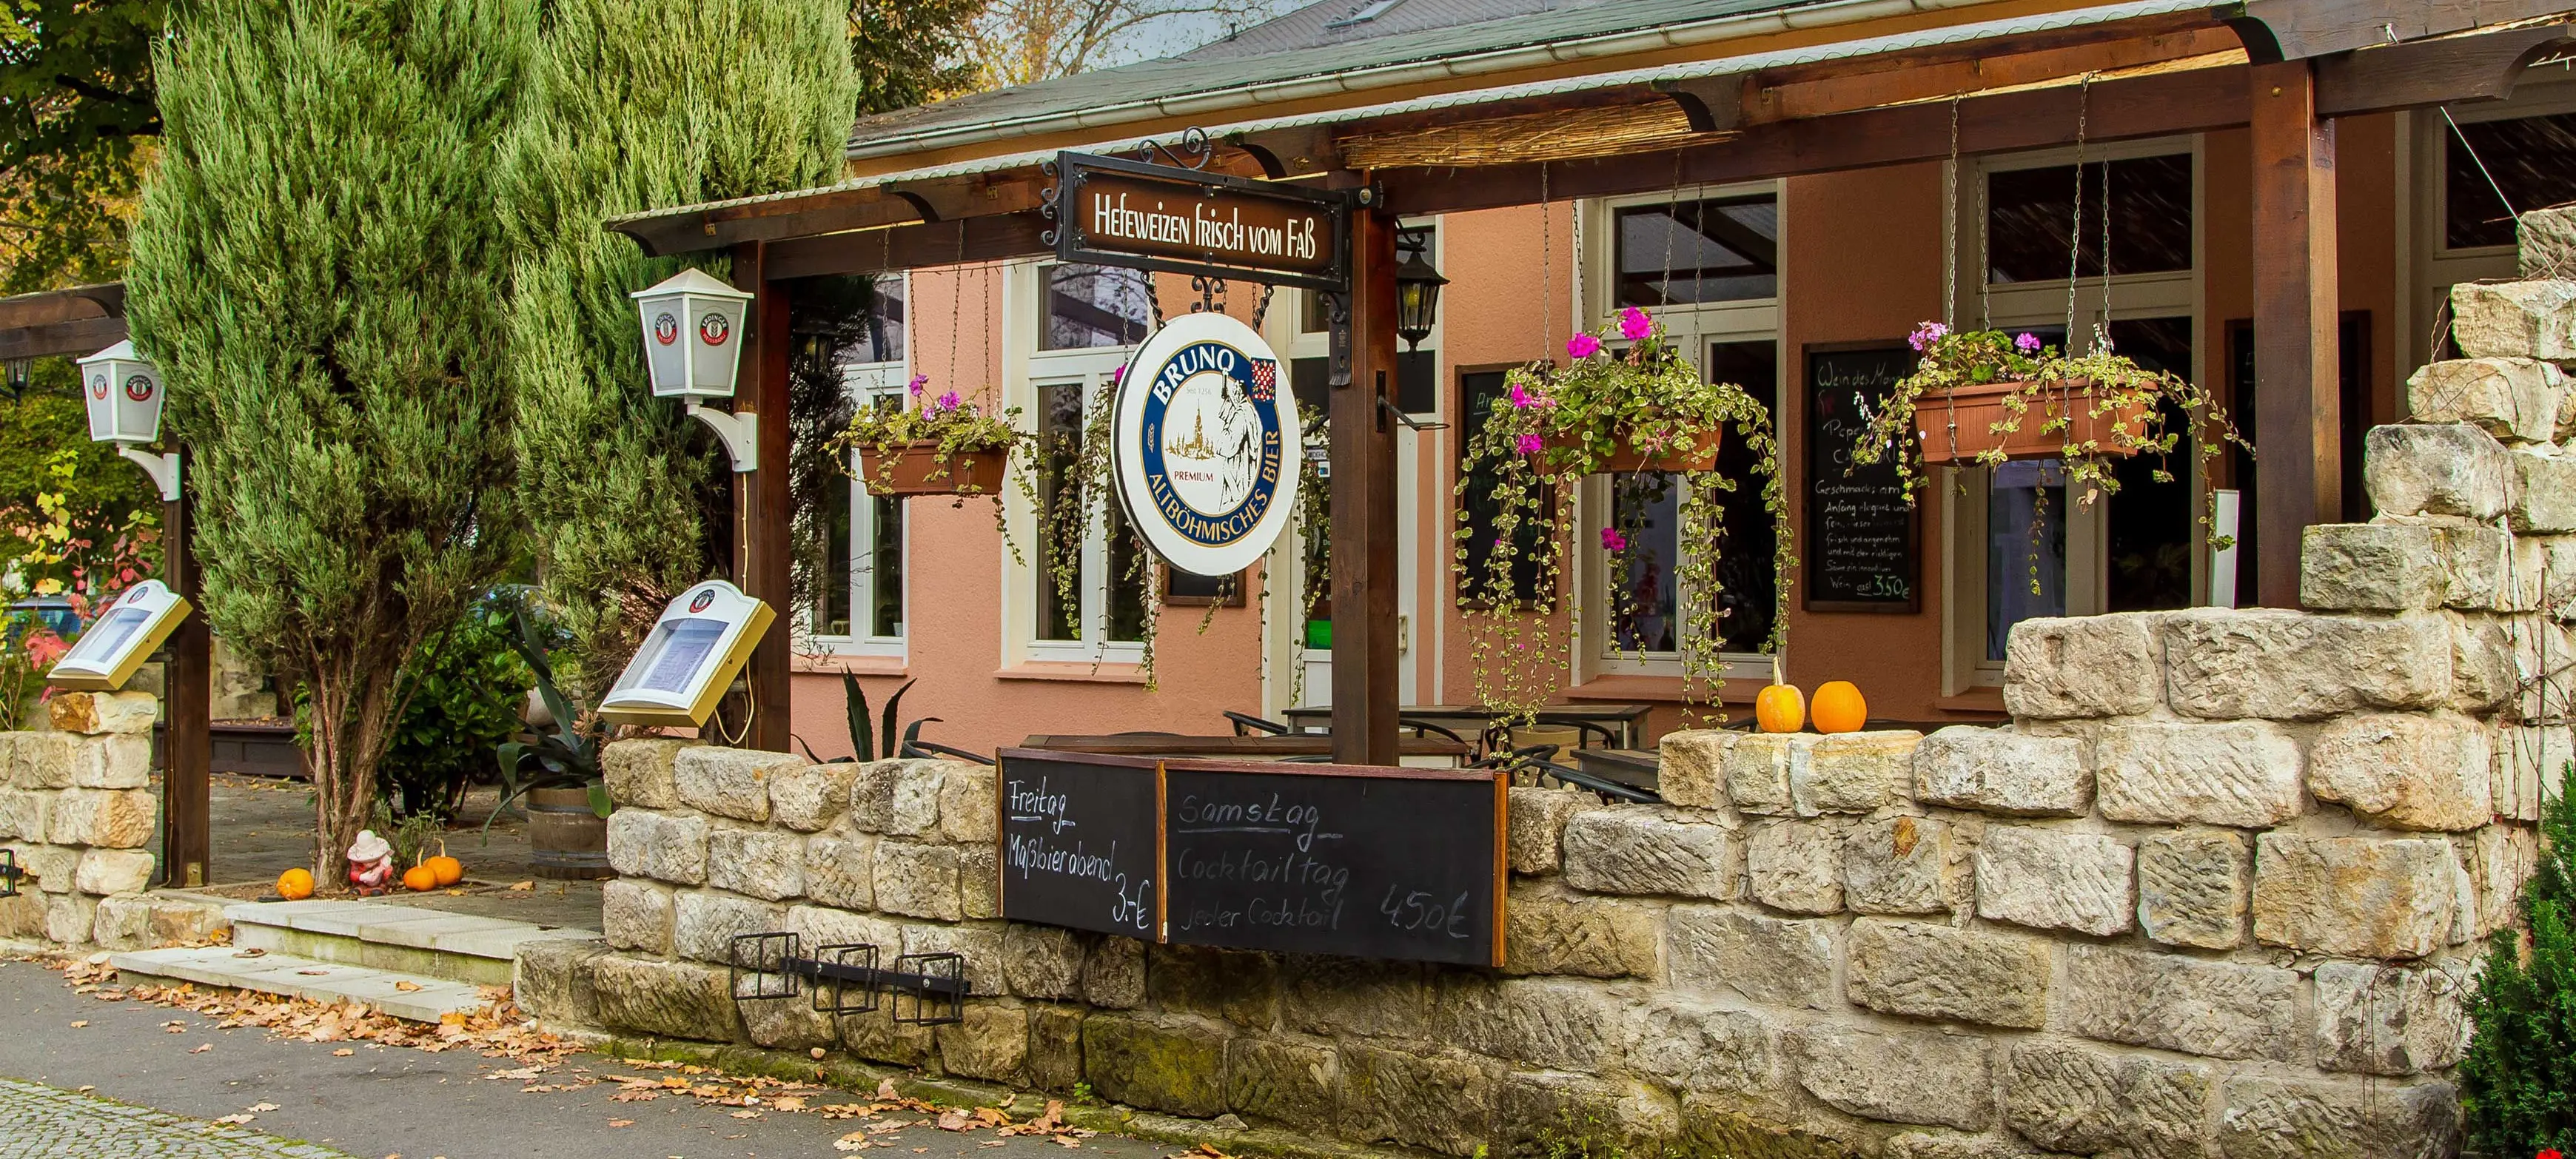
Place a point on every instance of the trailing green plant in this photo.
(2518, 1079)
(1084, 491)
(1559, 423)
(864, 733)
(567, 752)
(954, 427)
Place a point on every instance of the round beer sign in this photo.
(1203, 435)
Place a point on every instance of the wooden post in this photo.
(1364, 527)
(2297, 391)
(762, 504)
(187, 749)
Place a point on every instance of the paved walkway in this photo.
(40, 1122)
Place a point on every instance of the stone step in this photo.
(294, 977)
(384, 936)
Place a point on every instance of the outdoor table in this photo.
(1628, 720)
(1412, 751)
(1635, 768)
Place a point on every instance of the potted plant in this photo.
(932, 446)
(1645, 409)
(567, 800)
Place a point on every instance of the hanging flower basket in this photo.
(1958, 425)
(916, 468)
(1700, 455)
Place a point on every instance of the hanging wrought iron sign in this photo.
(1111, 211)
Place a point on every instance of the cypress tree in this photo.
(317, 268)
(2518, 1081)
(636, 105)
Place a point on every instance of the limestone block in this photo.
(2369, 567)
(106, 871)
(819, 927)
(2437, 469)
(1174, 1067)
(1648, 851)
(968, 804)
(1113, 974)
(51, 868)
(1901, 1077)
(638, 772)
(2541, 649)
(2391, 1020)
(103, 818)
(2193, 888)
(2055, 879)
(92, 713)
(2464, 897)
(2515, 320)
(2545, 240)
(899, 797)
(788, 1024)
(2514, 399)
(2084, 1101)
(2545, 493)
(1537, 826)
(918, 880)
(728, 782)
(1758, 770)
(668, 847)
(677, 999)
(176, 920)
(637, 915)
(1283, 1082)
(2354, 897)
(2225, 664)
(1772, 961)
(2532, 758)
(1899, 865)
(70, 918)
(1531, 1108)
(1042, 962)
(552, 980)
(2000, 771)
(704, 923)
(41, 760)
(112, 761)
(23, 916)
(840, 869)
(2066, 667)
(2268, 1118)
(22, 813)
(2484, 678)
(1796, 866)
(979, 881)
(1335, 997)
(1551, 932)
(1055, 1048)
(1441, 1104)
(1693, 767)
(1854, 772)
(980, 945)
(1240, 986)
(123, 923)
(1705, 1048)
(810, 797)
(1551, 1023)
(2244, 774)
(991, 1044)
(763, 863)
(2150, 998)
(2405, 771)
(2484, 569)
(2504, 858)
(887, 1041)
(1952, 1145)
(1928, 970)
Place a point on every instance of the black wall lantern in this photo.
(1417, 288)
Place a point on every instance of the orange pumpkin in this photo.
(419, 879)
(295, 884)
(1839, 708)
(447, 869)
(1780, 708)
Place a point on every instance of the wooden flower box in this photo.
(1957, 425)
(915, 468)
(1681, 458)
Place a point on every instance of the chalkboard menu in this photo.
(1864, 543)
(1079, 841)
(1365, 862)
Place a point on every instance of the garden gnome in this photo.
(371, 864)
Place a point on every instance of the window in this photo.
(1643, 608)
(1099, 560)
(1676, 253)
(1479, 392)
(1095, 307)
(2529, 158)
(2030, 215)
(850, 334)
(1086, 321)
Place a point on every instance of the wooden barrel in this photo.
(566, 839)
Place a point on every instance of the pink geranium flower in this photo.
(1634, 325)
(1925, 335)
(2028, 343)
(1582, 346)
(1611, 540)
(1530, 444)
(1521, 398)
(948, 401)
(919, 383)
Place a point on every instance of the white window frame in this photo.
(1964, 492)
(1025, 371)
(1695, 326)
(2427, 267)
(864, 383)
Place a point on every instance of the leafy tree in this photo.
(635, 105)
(74, 518)
(2518, 1082)
(317, 264)
(911, 52)
(78, 124)
(1019, 42)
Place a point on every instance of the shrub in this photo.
(465, 688)
(2518, 1083)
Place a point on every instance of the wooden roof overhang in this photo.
(2153, 75)
(81, 320)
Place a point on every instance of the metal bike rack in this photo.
(846, 979)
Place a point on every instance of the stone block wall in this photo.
(76, 806)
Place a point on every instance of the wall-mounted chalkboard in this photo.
(1389, 863)
(1864, 544)
(1079, 841)
(1326, 859)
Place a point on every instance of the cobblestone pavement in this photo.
(40, 1122)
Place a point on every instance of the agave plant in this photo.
(864, 733)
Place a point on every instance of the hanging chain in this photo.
(1546, 272)
(957, 298)
(1673, 229)
(1985, 258)
(2102, 328)
(1950, 226)
(2075, 242)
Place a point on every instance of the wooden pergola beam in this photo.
(2305, 29)
(69, 339)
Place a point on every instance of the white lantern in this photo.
(692, 335)
(124, 395)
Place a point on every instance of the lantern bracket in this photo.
(164, 469)
(738, 431)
